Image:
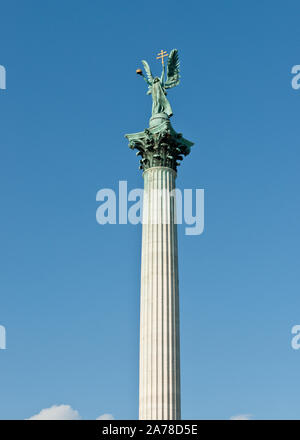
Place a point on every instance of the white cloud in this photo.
(57, 412)
(241, 417)
(63, 412)
(105, 417)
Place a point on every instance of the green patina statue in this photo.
(160, 145)
(157, 86)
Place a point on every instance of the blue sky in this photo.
(69, 288)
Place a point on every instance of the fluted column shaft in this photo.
(159, 387)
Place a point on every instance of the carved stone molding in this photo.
(159, 145)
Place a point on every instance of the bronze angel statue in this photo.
(157, 86)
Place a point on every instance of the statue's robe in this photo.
(160, 103)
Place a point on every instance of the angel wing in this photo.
(173, 76)
(149, 79)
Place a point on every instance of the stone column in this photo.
(161, 151)
(159, 396)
